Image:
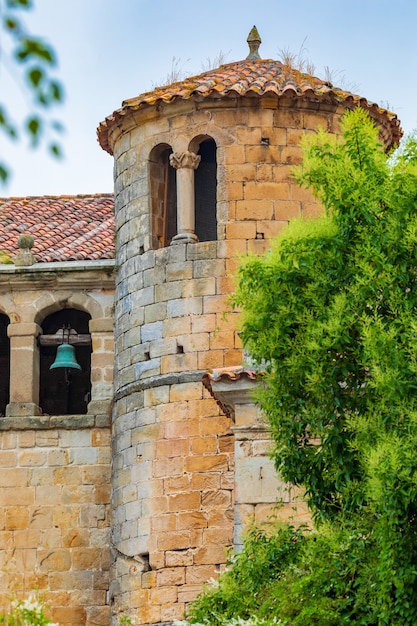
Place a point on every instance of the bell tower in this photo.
(202, 176)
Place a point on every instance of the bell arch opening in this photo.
(205, 192)
(65, 390)
(4, 364)
(163, 194)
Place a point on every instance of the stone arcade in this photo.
(122, 498)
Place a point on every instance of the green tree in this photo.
(332, 311)
(30, 61)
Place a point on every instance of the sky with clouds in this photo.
(111, 50)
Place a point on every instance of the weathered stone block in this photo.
(199, 287)
(167, 448)
(179, 558)
(206, 463)
(176, 326)
(184, 501)
(171, 576)
(200, 574)
(185, 306)
(14, 477)
(54, 561)
(155, 312)
(216, 499)
(257, 481)
(203, 445)
(156, 395)
(178, 363)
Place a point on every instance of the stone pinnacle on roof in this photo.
(254, 42)
(25, 256)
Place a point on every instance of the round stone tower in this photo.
(202, 175)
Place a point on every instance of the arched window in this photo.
(163, 192)
(205, 189)
(65, 391)
(4, 364)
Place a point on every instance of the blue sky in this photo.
(110, 50)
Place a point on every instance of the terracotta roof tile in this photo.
(235, 372)
(65, 228)
(258, 77)
(230, 374)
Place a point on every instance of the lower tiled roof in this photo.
(65, 228)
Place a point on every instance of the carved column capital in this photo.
(185, 159)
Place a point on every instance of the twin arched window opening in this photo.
(183, 189)
(61, 391)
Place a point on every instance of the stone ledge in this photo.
(49, 422)
(156, 381)
(59, 275)
(63, 266)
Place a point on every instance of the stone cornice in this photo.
(195, 376)
(49, 422)
(70, 275)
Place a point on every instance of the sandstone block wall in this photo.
(54, 515)
(55, 470)
(173, 449)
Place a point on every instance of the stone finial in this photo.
(254, 42)
(25, 256)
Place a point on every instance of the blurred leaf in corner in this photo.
(30, 61)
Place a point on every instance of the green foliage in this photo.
(285, 577)
(245, 588)
(29, 612)
(36, 61)
(332, 311)
(32, 612)
(5, 258)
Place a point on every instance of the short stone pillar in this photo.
(185, 163)
(102, 357)
(24, 369)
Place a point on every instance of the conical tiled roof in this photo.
(251, 77)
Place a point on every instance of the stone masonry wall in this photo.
(173, 450)
(55, 470)
(54, 515)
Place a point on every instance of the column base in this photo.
(99, 407)
(22, 409)
(184, 238)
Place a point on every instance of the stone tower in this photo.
(202, 175)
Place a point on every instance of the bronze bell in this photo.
(65, 357)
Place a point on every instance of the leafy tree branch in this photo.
(31, 62)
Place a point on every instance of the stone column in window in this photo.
(185, 163)
(102, 358)
(24, 369)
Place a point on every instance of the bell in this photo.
(65, 357)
